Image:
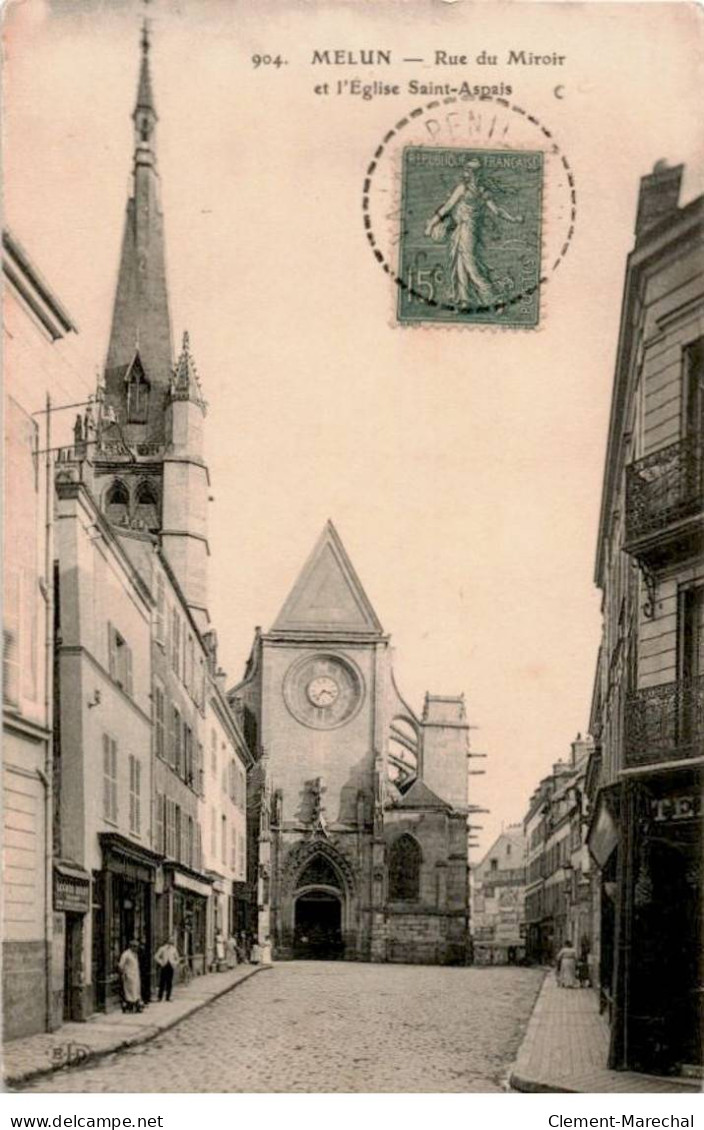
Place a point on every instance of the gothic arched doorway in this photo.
(318, 912)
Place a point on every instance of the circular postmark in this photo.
(469, 206)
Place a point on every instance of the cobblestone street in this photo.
(326, 1026)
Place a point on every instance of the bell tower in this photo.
(150, 474)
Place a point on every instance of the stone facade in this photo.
(356, 856)
(38, 350)
(498, 894)
(645, 776)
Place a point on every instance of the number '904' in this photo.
(267, 61)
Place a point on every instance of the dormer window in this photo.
(137, 398)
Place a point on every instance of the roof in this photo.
(328, 598)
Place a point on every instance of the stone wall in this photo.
(23, 988)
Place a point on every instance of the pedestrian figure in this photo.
(583, 965)
(231, 946)
(131, 979)
(567, 966)
(168, 960)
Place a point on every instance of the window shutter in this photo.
(138, 796)
(112, 652)
(128, 676)
(113, 766)
(106, 776)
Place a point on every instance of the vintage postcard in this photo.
(353, 669)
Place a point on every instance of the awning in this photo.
(189, 883)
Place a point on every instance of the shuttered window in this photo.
(135, 795)
(159, 721)
(109, 778)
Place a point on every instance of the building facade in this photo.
(358, 806)
(558, 880)
(37, 349)
(648, 709)
(150, 759)
(498, 896)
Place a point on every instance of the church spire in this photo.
(141, 323)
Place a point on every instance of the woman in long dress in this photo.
(567, 966)
(467, 206)
(128, 966)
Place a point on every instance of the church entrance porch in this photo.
(317, 931)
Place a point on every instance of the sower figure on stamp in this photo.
(167, 959)
(467, 206)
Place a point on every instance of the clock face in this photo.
(323, 691)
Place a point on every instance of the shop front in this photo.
(663, 983)
(189, 896)
(123, 910)
(646, 838)
(71, 897)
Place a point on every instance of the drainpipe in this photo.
(48, 775)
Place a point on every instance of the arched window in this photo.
(118, 505)
(147, 508)
(404, 869)
(137, 397)
(319, 873)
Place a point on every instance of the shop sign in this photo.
(71, 894)
(673, 810)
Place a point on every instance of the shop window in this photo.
(146, 508)
(117, 507)
(109, 779)
(404, 869)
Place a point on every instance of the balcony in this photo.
(664, 723)
(665, 503)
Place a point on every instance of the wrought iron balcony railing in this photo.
(664, 488)
(665, 723)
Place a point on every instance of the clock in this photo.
(323, 691)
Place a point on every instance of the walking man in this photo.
(168, 960)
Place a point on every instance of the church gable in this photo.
(328, 596)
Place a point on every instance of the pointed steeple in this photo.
(141, 316)
(328, 598)
(185, 384)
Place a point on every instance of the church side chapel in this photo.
(358, 806)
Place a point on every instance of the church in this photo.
(357, 808)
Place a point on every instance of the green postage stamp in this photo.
(470, 236)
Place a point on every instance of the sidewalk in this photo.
(566, 1046)
(104, 1033)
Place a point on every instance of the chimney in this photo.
(658, 197)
